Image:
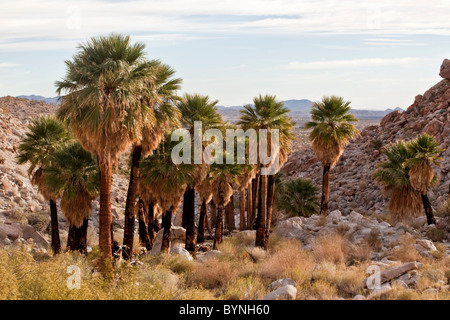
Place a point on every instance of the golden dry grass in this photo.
(327, 272)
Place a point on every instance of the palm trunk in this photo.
(242, 224)
(213, 215)
(270, 197)
(325, 190)
(202, 222)
(428, 209)
(77, 238)
(255, 183)
(56, 242)
(262, 211)
(229, 214)
(130, 206)
(219, 218)
(189, 218)
(105, 220)
(167, 225)
(249, 207)
(156, 225)
(151, 224)
(143, 231)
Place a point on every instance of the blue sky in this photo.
(378, 54)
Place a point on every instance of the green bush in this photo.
(299, 197)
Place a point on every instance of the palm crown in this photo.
(331, 128)
(74, 176)
(45, 136)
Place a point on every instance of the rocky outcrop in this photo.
(360, 229)
(445, 69)
(16, 232)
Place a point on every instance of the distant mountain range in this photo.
(303, 107)
(54, 100)
(298, 107)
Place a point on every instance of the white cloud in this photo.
(8, 65)
(29, 22)
(353, 63)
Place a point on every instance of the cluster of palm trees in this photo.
(114, 99)
(61, 169)
(407, 174)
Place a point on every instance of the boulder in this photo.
(393, 273)
(445, 69)
(426, 244)
(11, 231)
(181, 252)
(290, 228)
(208, 255)
(177, 234)
(287, 292)
(281, 283)
(29, 233)
(334, 216)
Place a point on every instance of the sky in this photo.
(377, 54)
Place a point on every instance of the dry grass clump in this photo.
(406, 251)
(330, 247)
(16, 215)
(287, 260)
(212, 274)
(248, 288)
(39, 220)
(322, 290)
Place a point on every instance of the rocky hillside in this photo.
(351, 183)
(19, 199)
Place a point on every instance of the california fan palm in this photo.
(104, 85)
(45, 136)
(425, 154)
(331, 131)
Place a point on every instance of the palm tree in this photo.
(45, 136)
(105, 83)
(193, 108)
(164, 182)
(331, 132)
(74, 176)
(270, 114)
(163, 116)
(393, 175)
(298, 197)
(426, 153)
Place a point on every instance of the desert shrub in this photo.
(287, 259)
(323, 290)
(331, 247)
(16, 215)
(212, 274)
(248, 288)
(433, 274)
(39, 220)
(357, 254)
(373, 240)
(299, 197)
(406, 250)
(437, 234)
